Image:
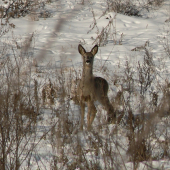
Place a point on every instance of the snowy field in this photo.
(39, 65)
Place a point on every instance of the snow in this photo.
(58, 45)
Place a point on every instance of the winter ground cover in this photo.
(39, 67)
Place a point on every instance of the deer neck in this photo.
(87, 74)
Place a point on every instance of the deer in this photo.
(91, 89)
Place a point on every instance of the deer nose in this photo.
(87, 61)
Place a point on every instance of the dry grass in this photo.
(132, 7)
(26, 101)
(24, 97)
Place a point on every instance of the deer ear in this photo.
(94, 50)
(81, 50)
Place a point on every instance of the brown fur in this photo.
(91, 89)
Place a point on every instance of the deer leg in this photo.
(91, 114)
(82, 105)
(110, 110)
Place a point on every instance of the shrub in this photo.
(132, 7)
(20, 8)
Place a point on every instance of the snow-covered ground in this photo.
(56, 42)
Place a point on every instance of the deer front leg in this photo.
(82, 105)
(91, 114)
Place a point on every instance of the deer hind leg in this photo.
(110, 110)
(91, 114)
(82, 105)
